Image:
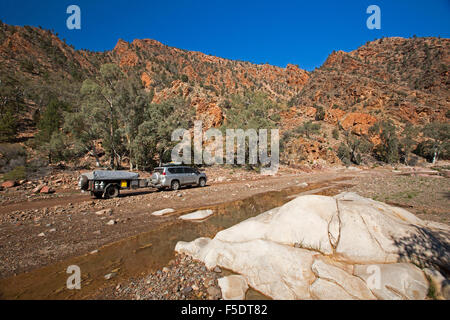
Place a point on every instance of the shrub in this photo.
(343, 153)
(387, 150)
(8, 126)
(320, 113)
(18, 173)
(335, 133)
(11, 156)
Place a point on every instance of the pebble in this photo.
(109, 275)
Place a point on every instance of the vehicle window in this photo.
(188, 170)
(172, 170)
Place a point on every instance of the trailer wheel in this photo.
(111, 191)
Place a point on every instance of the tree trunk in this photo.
(94, 153)
(112, 160)
(434, 157)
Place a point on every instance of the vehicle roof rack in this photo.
(172, 164)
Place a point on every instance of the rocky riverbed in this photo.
(182, 279)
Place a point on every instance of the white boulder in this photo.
(318, 247)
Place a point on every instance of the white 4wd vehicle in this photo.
(174, 177)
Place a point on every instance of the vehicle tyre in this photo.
(202, 182)
(111, 191)
(175, 185)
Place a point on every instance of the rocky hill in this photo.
(405, 80)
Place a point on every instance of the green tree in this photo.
(11, 105)
(8, 125)
(51, 120)
(59, 147)
(132, 104)
(154, 135)
(308, 128)
(97, 117)
(250, 111)
(439, 135)
(335, 133)
(387, 150)
(320, 113)
(353, 149)
(407, 141)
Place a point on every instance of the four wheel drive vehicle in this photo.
(107, 184)
(176, 176)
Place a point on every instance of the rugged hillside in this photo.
(405, 80)
(205, 80)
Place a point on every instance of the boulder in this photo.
(46, 190)
(104, 211)
(9, 184)
(233, 287)
(38, 188)
(319, 247)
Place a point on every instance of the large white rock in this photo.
(233, 287)
(307, 249)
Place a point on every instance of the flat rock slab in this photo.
(197, 215)
(163, 212)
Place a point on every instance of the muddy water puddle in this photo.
(139, 255)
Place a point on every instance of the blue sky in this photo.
(276, 32)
